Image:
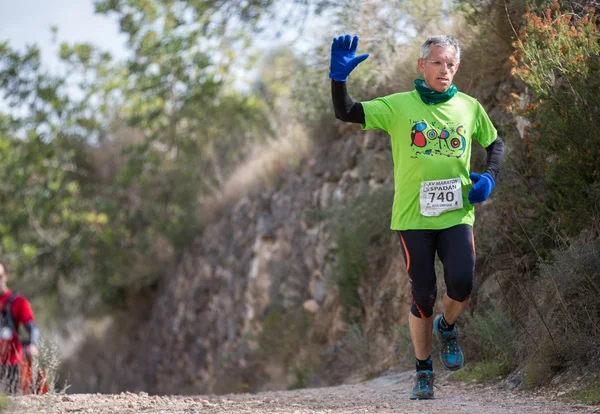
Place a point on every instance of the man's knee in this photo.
(460, 289)
(422, 305)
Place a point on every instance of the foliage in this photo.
(403, 347)
(283, 335)
(360, 229)
(4, 402)
(549, 195)
(48, 228)
(588, 393)
(571, 279)
(539, 368)
(390, 24)
(491, 341)
(102, 187)
(485, 33)
(48, 360)
(558, 59)
(355, 347)
(492, 330)
(194, 129)
(483, 371)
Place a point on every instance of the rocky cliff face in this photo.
(253, 304)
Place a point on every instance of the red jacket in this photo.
(10, 349)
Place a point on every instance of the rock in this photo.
(329, 163)
(349, 154)
(321, 253)
(264, 227)
(514, 381)
(370, 140)
(349, 184)
(363, 188)
(320, 290)
(311, 306)
(382, 167)
(326, 195)
(488, 289)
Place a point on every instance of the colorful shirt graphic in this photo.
(429, 142)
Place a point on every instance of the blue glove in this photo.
(483, 184)
(343, 59)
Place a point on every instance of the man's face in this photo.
(439, 68)
(3, 275)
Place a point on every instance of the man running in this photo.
(431, 129)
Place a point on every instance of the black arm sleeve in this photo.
(345, 108)
(34, 333)
(495, 155)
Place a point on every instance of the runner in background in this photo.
(432, 128)
(15, 358)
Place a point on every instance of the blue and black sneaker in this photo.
(422, 386)
(450, 353)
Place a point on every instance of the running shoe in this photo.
(450, 353)
(422, 386)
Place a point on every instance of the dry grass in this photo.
(47, 361)
(262, 168)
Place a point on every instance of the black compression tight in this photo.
(456, 249)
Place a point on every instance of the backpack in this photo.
(6, 318)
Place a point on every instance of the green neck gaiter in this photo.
(431, 96)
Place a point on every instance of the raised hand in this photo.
(343, 57)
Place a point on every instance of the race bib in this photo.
(440, 196)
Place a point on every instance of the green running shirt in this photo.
(429, 142)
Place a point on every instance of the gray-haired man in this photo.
(432, 128)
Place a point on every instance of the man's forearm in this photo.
(495, 156)
(345, 108)
(34, 333)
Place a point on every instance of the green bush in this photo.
(361, 232)
(557, 55)
(558, 311)
(490, 341)
(587, 394)
(536, 374)
(569, 282)
(483, 371)
(283, 335)
(493, 332)
(403, 348)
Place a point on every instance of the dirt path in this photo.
(383, 395)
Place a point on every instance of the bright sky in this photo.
(25, 22)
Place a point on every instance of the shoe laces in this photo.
(424, 381)
(450, 345)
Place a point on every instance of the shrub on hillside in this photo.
(557, 55)
(572, 279)
(361, 232)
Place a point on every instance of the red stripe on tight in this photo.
(406, 252)
(417, 306)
